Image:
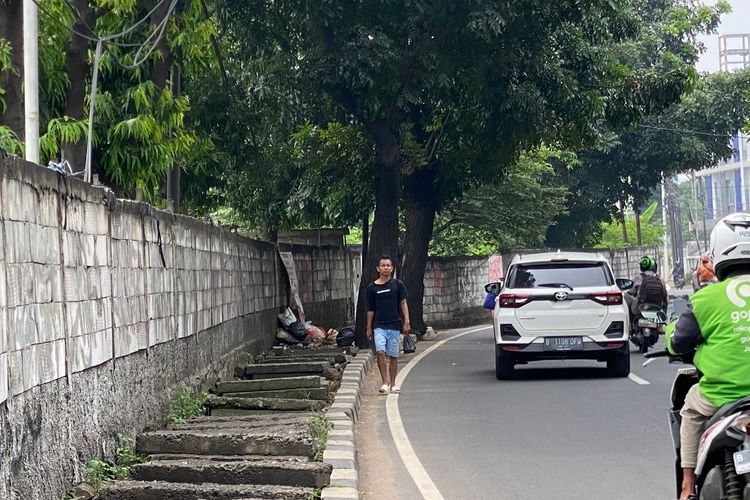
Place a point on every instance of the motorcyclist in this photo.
(713, 325)
(705, 271)
(654, 292)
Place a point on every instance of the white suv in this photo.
(561, 305)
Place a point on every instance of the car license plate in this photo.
(742, 462)
(563, 343)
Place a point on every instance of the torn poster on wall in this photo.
(288, 259)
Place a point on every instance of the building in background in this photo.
(726, 187)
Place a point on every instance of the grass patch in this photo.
(316, 494)
(320, 426)
(184, 405)
(100, 472)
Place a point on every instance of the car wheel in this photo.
(503, 364)
(619, 364)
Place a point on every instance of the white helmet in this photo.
(730, 244)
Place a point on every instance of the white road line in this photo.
(403, 445)
(638, 380)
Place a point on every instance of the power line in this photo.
(685, 131)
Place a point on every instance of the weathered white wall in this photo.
(454, 286)
(107, 306)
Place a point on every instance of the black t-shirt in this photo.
(385, 301)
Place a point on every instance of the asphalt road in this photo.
(561, 430)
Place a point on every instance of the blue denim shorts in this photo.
(387, 340)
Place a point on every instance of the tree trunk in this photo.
(420, 220)
(11, 29)
(161, 67)
(77, 67)
(365, 237)
(624, 226)
(638, 227)
(384, 235)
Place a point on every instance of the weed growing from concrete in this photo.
(320, 426)
(100, 472)
(183, 405)
(125, 454)
(315, 494)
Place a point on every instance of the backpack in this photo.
(651, 290)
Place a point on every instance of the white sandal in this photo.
(396, 389)
(383, 389)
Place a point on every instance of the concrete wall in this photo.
(108, 306)
(454, 286)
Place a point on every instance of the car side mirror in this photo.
(494, 287)
(624, 283)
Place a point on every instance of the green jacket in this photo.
(717, 326)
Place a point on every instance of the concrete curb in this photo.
(341, 452)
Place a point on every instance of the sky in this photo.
(736, 22)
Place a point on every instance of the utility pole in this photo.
(31, 79)
(665, 258)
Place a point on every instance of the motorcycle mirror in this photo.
(494, 287)
(624, 283)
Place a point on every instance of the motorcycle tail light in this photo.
(513, 300)
(607, 298)
(742, 424)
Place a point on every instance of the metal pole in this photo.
(92, 105)
(31, 79)
(664, 259)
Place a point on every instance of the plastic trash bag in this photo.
(287, 318)
(410, 343)
(345, 337)
(489, 301)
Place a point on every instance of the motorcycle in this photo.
(723, 467)
(648, 325)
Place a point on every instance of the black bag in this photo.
(410, 343)
(651, 290)
(345, 337)
(297, 330)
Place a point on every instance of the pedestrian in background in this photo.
(387, 320)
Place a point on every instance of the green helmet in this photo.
(647, 264)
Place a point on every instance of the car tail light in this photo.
(513, 300)
(742, 424)
(607, 298)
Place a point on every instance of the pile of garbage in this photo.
(293, 331)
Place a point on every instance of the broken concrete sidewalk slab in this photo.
(286, 440)
(231, 412)
(148, 490)
(331, 358)
(275, 368)
(269, 471)
(319, 393)
(261, 421)
(276, 404)
(275, 384)
(226, 458)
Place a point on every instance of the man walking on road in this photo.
(386, 309)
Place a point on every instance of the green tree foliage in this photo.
(652, 232)
(513, 212)
(690, 135)
(140, 130)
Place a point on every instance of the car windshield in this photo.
(571, 275)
